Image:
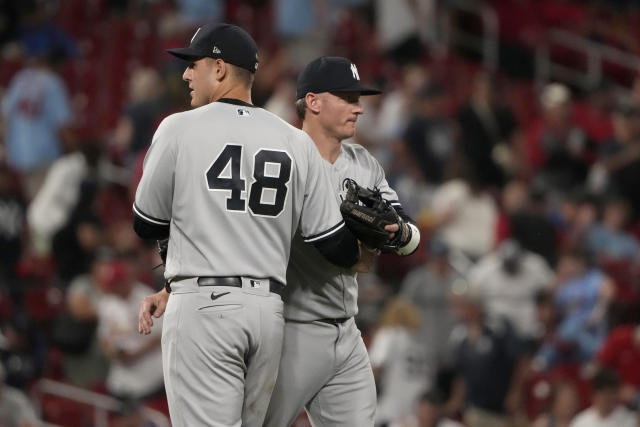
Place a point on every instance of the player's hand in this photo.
(367, 257)
(155, 305)
(392, 229)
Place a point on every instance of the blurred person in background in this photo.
(593, 112)
(38, 32)
(135, 371)
(398, 105)
(606, 411)
(12, 225)
(565, 404)
(282, 101)
(74, 330)
(582, 295)
(620, 352)
(145, 109)
(577, 213)
(76, 195)
(608, 239)
(525, 218)
(617, 167)
(23, 349)
(555, 145)
(429, 136)
(428, 287)
(399, 362)
(509, 278)
(488, 130)
(488, 359)
(37, 114)
(465, 215)
(547, 317)
(429, 412)
(301, 26)
(16, 410)
(63, 191)
(400, 28)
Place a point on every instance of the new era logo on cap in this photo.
(216, 50)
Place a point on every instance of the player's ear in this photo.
(220, 69)
(313, 102)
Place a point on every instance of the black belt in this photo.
(235, 281)
(336, 321)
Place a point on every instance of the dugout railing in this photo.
(100, 406)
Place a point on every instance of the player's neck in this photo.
(234, 92)
(327, 145)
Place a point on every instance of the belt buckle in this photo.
(257, 283)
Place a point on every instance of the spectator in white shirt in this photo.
(429, 413)
(510, 277)
(135, 372)
(399, 362)
(606, 411)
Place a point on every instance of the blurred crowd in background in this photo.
(522, 304)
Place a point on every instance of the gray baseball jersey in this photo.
(318, 289)
(233, 181)
(325, 366)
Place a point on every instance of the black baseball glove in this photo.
(366, 214)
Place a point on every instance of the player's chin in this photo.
(349, 130)
(195, 102)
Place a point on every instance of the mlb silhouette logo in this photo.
(242, 112)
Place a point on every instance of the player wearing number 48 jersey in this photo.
(229, 184)
(325, 366)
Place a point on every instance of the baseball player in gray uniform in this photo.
(324, 366)
(229, 184)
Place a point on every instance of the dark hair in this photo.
(616, 200)
(542, 297)
(606, 378)
(245, 77)
(301, 108)
(434, 397)
(580, 253)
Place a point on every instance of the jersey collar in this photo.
(235, 102)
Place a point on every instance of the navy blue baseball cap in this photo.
(228, 42)
(331, 74)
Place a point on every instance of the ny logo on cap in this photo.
(354, 71)
(216, 50)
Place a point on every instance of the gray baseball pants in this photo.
(220, 353)
(324, 369)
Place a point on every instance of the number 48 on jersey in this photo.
(262, 179)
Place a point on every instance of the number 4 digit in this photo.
(231, 154)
